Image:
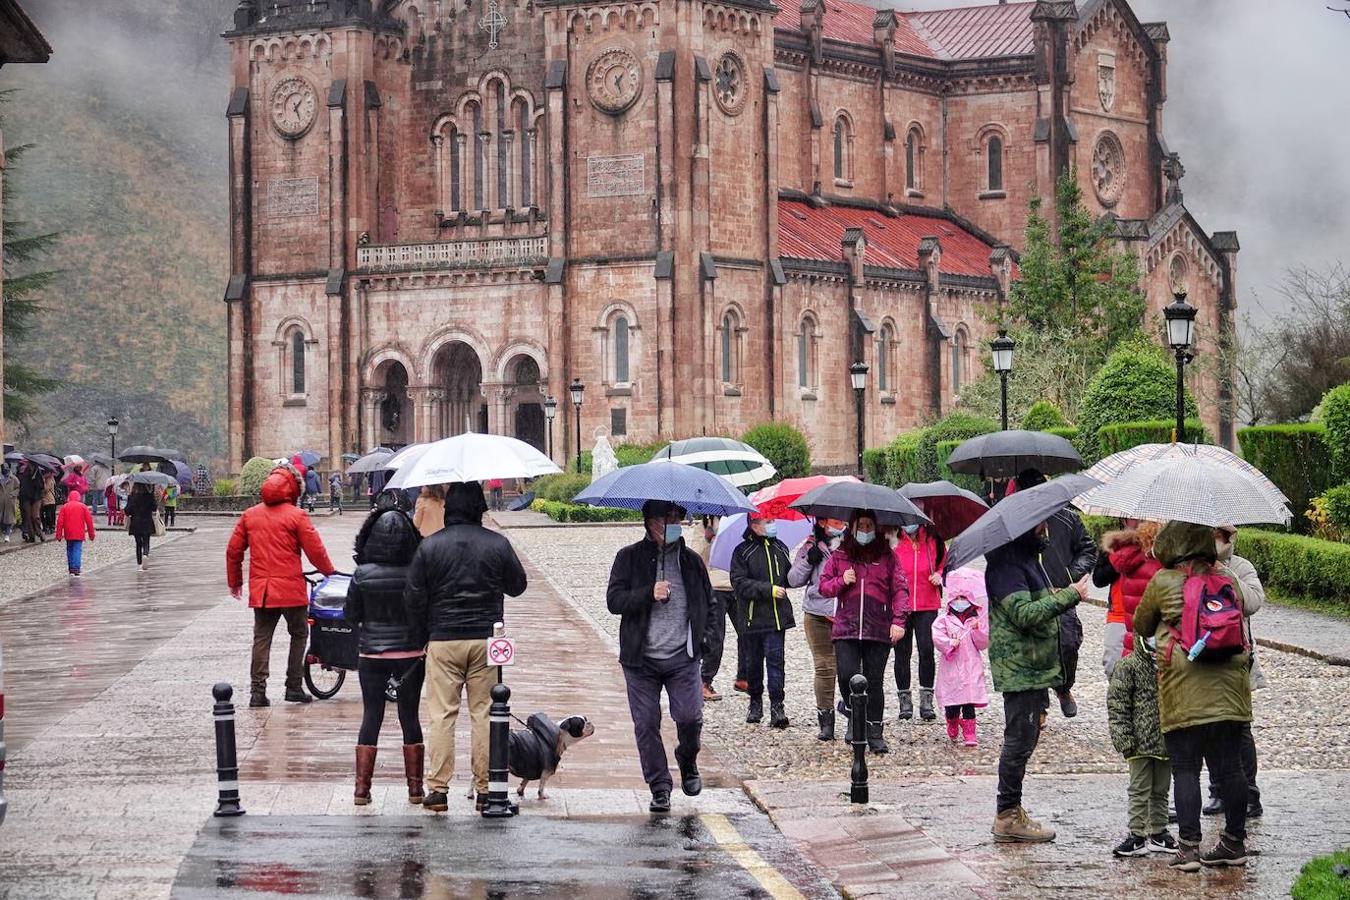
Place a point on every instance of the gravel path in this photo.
(1301, 720)
(23, 571)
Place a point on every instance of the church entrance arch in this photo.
(392, 408)
(528, 400)
(457, 370)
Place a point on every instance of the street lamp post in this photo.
(857, 373)
(550, 413)
(578, 391)
(112, 435)
(1180, 317)
(1002, 347)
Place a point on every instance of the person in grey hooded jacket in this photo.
(818, 615)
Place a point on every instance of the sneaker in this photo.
(1186, 860)
(1067, 705)
(1213, 808)
(1014, 826)
(709, 694)
(1133, 845)
(660, 801)
(298, 697)
(1162, 842)
(436, 801)
(1227, 852)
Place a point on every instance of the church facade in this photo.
(445, 211)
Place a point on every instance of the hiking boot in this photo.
(968, 733)
(875, 742)
(952, 726)
(777, 716)
(741, 685)
(709, 694)
(1227, 852)
(436, 801)
(755, 714)
(298, 697)
(1213, 808)
(414, 759)
(1133, 845)
(926, 705)
(1162, 842)
(257, 700)
(1014, 826)
(825, 719)
(686, 755)
(1067, 704)
(906, 706)
(1186, 860)
(1254, 810)
(365, 770)
(660, 801)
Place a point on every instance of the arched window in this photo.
(727, 326)
(503, 141)
(960, 343)
(525, 135)
(914, 159)
(806, 353)
(843, 145)
(456, 175)
(994, 154)
(297, 361)
(480, 138)
(620, 349)
(885, 347)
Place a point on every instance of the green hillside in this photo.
(130, 166)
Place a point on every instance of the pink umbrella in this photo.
(773, 500)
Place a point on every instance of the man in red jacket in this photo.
(274, 532)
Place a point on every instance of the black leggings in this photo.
(375, 674)
(966, 711)
(170, 514)
(142, 547)
(869, 657)
(919, 627)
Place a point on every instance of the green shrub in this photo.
(902, 459)
(1338, 507)
(1070, 434)
(1319, 880)
(560, 487)
(784, 446)
(969, 482)
(224, 487)
(1299, 566)
(253, 474)
(559, 511)
(1336, 417)
(1137, 383)
(956, 426)
(874, 464)
(1296, 457)
(1125, 435)
(1097, 526)
(1043, 416)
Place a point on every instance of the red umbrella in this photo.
(773, 500)
(951, 508)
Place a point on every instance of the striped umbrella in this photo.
(1186, 488)
(737, 462)
(1115, 465)
(701, 493)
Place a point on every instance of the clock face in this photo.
(613, 80)
(293, 107)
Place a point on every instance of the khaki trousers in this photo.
(818, 630)
(1150, 781)
(265, 621)
(452, 665)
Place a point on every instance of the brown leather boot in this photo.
(414, 756)
(365, 770)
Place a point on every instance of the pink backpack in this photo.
(1211, 619)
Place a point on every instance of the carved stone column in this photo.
(370, 416)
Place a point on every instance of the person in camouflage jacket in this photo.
(1132, 713)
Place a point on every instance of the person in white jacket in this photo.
(1253, 598)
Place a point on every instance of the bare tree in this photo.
(1309, 345)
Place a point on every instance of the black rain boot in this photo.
(755, 714)
(926, 705)
(906, 706)
(875, 742)
(825, 718)
(777, 716)
(686, 755)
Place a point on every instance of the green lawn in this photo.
(1324, 878)
(1300, 601)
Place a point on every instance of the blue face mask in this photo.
(911, 530)
(864, 537)
(771, 530)
(673, 532)
(834, 532)
(959, 606)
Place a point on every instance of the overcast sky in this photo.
(1257, 107)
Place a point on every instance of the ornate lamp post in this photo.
(1002, 347)
(857, 373)
(112, 435)
(1180, 317)
(578, 391)
(550, 413)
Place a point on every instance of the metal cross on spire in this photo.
(492, 22)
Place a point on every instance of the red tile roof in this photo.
(805, 232)
(975, 32)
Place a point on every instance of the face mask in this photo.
(771, 530)
(959, 606)
(673, 532)
(834, 532)
(911, 530)
(1224, 549)
(864, 537)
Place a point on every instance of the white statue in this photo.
(603, 458)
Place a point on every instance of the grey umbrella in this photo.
(158, 479)
(372, 462)
(1014, 516)
(839, 499)
(142, 454)
(1003, 454)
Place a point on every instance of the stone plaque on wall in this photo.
(288, 197)
(616, 176)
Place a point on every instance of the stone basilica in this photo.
(445, 210)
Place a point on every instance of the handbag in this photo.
(159, 524)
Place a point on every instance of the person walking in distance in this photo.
(140, 510)
(724, 609)
(171, 494)
(457, 585)
(9, 501)
(818, 615)
(759, 572)
(335, 492)
(47, 511)
(920, 552)
(660, 590)
(30, 502)
(274, 533)
(74, 525)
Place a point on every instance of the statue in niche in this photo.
(603, 458)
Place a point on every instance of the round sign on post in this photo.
(501, 651)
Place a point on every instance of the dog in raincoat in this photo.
(537, 749)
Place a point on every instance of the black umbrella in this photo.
(522, 502)
(951, 508)
(44, 460)
(101, 459)
(1014, 516)
(840, 499)
(142, 454)
(1003, 454)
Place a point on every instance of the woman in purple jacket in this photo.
(873, 606)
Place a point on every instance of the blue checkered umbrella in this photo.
(701, 493)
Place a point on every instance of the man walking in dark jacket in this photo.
(455, 591)
(660, 589)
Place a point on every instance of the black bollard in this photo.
(227, 762)
(499, 805)
(857, 700)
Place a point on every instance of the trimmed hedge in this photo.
(1043, 416)
(1137, 383)
(561, 488)
(1298, 458)
(874, 465)
(902, 459)
(1335, 407)
(1098, 526)
(1299, 566)
(573, 512)
(1125, 435)
(782, 445)
(969, 482)
(253, 474)
(1338, 507)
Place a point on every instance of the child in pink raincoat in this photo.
(960, 635)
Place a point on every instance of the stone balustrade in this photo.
(511, 251)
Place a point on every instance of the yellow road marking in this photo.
(729, 839)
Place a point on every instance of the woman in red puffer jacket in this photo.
(1130, 555)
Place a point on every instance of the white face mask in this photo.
(1224, 549)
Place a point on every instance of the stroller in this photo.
(332, 639)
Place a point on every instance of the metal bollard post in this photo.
(227, 762)
(499, 805)
(857, 686)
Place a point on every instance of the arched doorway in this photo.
(457, 369)
(393, 410)
(528, 401)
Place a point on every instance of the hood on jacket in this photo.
(1182, 541)
(1115, 540)
(464, 503)
(280, 487)
(387, 537)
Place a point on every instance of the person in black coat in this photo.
(660, 590)
(141, 520)
(1069, 554)
(390, 645)
(759, 576)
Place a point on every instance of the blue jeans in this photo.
(74, 555)
(95, 501)
(764, 650)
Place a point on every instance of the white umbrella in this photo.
(1186, 489)
(1111, 467)
(473, 457)
(737, 462)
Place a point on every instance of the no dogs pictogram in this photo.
(501, 651)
